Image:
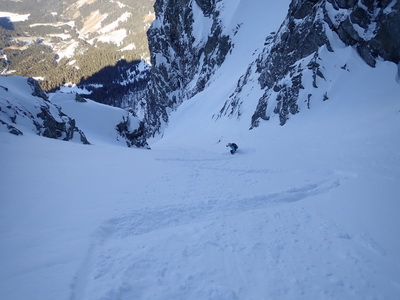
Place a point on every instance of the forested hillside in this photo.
(67, 42)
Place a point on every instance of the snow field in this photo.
(106, 222)
(304, 211)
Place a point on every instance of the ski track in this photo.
(123, 261)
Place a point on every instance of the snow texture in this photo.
(308, 210)
(304, 211)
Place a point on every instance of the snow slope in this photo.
(24, 111)
(304, 211)
(98, 121)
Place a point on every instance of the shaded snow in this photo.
(201, 25)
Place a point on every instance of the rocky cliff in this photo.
(188, 43)
(24, 107)
(371, 27)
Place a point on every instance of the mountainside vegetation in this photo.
(69, 41)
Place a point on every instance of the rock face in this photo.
(133, 137)
(25, 107)
(371, 27)
(183, 62)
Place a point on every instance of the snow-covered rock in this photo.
(187, 42)
(102, 124)
(24, 107)
(191, 40)
(285, 68)
(65, 115)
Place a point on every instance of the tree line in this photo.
(39, 60)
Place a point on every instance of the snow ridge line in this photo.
(147, 220)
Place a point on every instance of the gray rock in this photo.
(177, 58)
(43, 117)
(37, 90)
(381, 38)
(372, 27)
(133, 138)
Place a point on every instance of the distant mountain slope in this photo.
(64, 41)
(122, 85)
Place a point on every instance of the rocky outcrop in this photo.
(36, 89)
(182, 61)
(371, 27)
(24, 107)
(301, 27)
(57, 126)
(133, 137)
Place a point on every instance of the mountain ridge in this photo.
(180, 69)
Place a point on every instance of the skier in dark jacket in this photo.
(233, 147)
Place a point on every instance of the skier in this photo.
(233, 147)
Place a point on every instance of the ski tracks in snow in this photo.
(218, 246)
(149, 220)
